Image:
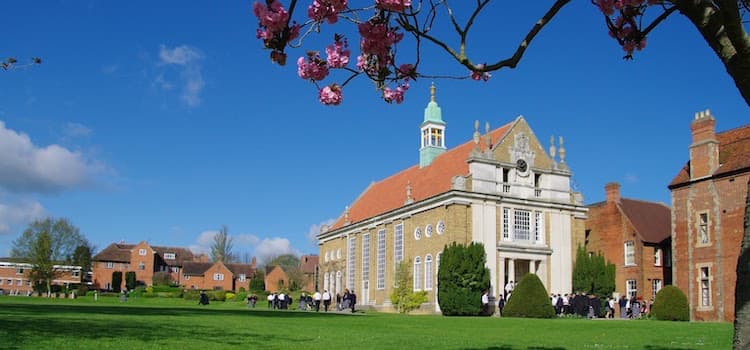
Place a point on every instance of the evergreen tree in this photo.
(116, 280)
(462, 277)
(592, 274)
(130, 280)
(529, 299)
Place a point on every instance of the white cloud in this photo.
(15, 215)
(74, 130)
(315, 229)
(240, 242)
(188, 60)
(110, 69)
(631, 178)
(25, 167)
(270, 248)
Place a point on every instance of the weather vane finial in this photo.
(432, 92)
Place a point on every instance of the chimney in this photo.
(612, 190)
(704, 152)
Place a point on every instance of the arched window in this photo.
(326, 280)
(417, 273)
(428, 272)
(338, 281)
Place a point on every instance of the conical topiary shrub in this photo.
(529, 299)
(670, 305)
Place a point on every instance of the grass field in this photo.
(37, 323)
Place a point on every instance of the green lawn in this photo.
(37, 323)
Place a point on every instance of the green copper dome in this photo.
(432, 113)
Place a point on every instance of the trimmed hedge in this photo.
(671, 305)
(529, 299)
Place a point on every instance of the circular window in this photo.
(440, 227)
(418, 233)
(428, 230)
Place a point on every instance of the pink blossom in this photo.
(393, 5)
(273, 28)
(395, 95)
(314, 68)
(406, 71)
(338, 53)
(327, 10)
(331, 95)
(479, 75)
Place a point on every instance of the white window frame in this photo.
(218, 276)
(398, 243)
(417, 275)
(170, 256)
(440, 227)
(381, 260)
(418, 233)
(351, 262)
(242, 277)
(657, 256)
(656, 286)
(428, 272)
(366, 257)
(703, 229)
(326, 280)
(428, 231)
(327, 256)
(141, 266)
(631, 288)
(338, 254)
(19, 270)
(521, 225)
(75, 273)
(539, 227)
(142, 251)
(629, 257)
(110, 265)
(705, 281)
(506, 224)
(186, 277)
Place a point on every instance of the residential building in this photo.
(708, 208)
(276, 279)
(217, 275)
(635, 236)
(143, 259)
(501, 189)
(15, 276)
(308, 265)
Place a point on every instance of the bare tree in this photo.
(221, 248)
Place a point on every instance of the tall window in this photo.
(538, 234)
(629, 253)
(428, 272)
(703, 234)
(366, 257)
(657, 256)
(521, 227)
(351, 260)
(705, 286)
(326, 280)
(381, 259)
(398, 243)
(631, 289)
(655, 288)
(506, 233)
(417, 273)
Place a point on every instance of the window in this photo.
(417, 273)
(418, 233)
(242, 277)
(186, 277)
(169, 256)
(440, 227)
(428, 230)
(538, 234)
(428, 272)
(506, 234)
(325, 281)
(218, 276)
(655, 288)
(351, 261)
(703, 234)
(631, 289)
(657, 256)
(338, 253)
(175, 269)
(1, 281)
(19, 282)
(366, 257)
(398, 243)
(705, 286)
(521, 227)
(141, 251)
(19, 270)
(141, 266)
(75, 273)
(326, 258)
(110, 265)
(10, 282)
(28, 283)
(381, 259)
(629, 253)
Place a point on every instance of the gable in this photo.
(520, 139)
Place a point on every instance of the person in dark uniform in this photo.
(352, 299)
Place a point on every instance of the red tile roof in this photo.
(390, 193)
(734, 154)
(120, 252)
(651, 220)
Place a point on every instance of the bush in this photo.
(162, 279)
(241, 296)
(229, 296)
(529, 299)
(462, 277)
(257, 283)
(670, 305)
(191, 294)
(218, 295)
(82, 290)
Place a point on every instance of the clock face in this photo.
(521, 165)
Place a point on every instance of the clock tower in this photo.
(432, 132)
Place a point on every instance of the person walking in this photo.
(352, 299)
(316, 298)
(485, 304)
(500, 304)
(326, 300)
(270, 300)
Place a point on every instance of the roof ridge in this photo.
(646, 201)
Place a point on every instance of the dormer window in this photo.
(169, 256)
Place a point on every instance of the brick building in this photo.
(217, 275)
(308, 265)
(144, 259)
(276, 279)
(15, 276)
(634, 235)
(708, 204)
(501, 189)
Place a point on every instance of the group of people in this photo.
(587, 305)
(282, 301)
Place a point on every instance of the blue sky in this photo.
(162, 121)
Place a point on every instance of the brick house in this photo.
(218, 276)
(634, 235)
(275, 279)
(502, 189)
(15, 276)
(708, 207)
(309, 268)
(145, 260)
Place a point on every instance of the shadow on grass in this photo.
(508, 347)
(21, 323)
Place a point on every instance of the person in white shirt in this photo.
(316, 299)
(326, 300)
(270, 300)
(485, 303)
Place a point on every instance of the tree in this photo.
(462, 277)
(529, 299)
(720, 22)
(130, 281)
(592, 274)
(258, 283)
(671, 305)
(403, 297)
(742, 289)
(45, 244)
(116, 280)
(221, 248)
(82, 257)
(290, 263)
